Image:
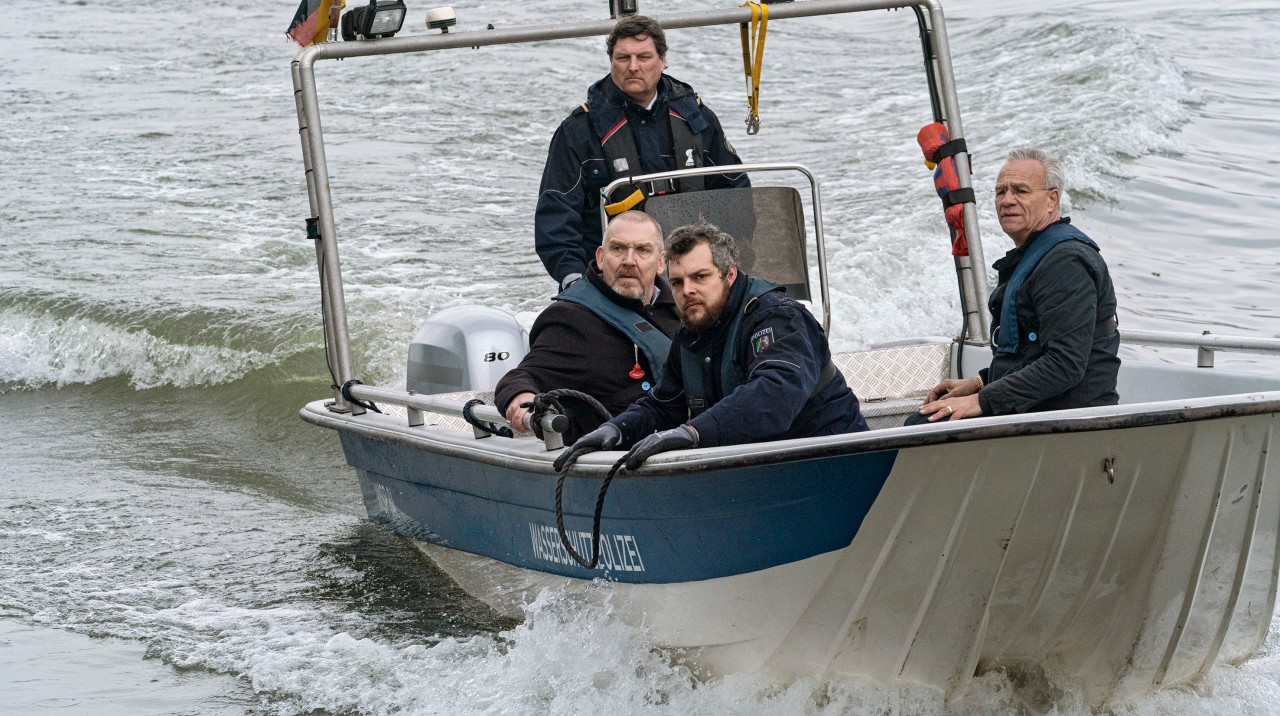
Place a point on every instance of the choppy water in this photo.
(174, 540)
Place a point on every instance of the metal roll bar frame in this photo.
(321, 226)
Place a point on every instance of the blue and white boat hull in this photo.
(921, 554)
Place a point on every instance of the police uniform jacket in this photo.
(781, 355)
(567, 219)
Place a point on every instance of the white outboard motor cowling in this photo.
(464, 348)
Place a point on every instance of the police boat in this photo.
(1129, 547)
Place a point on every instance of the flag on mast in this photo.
(312, 21)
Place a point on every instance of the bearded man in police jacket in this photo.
(748, 364)
(635, 121)
(1053, 312)
(606, 336)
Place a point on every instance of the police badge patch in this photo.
(761, 340)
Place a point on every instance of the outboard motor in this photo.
(464, 348)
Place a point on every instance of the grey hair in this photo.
(636, 216)
(724, 251)
(1053, 175)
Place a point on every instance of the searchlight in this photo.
(380, 18)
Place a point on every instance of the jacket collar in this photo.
(1011, 258)
(596, 277)
(607, 105)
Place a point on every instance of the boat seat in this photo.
(766, 223)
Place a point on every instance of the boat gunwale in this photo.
(459, 444)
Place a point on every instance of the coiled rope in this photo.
(493, 429)
(550, 400)
(595, 524)
(346, 393)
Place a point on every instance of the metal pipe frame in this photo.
(332, 353)
(1205, 343)
(418, 404)
(507, 453)
(820, 245)
(970, 272)
(320, 190)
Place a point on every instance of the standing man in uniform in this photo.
(635, 121)
(606, 336)
(748, 364)
(1053, 313)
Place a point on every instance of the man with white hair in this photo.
(1053, 312)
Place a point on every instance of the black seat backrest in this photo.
(766, 222)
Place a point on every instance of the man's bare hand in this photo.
(519, 416)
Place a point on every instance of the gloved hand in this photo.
(605, 437)
(681, 438)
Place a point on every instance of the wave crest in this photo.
(38, 350)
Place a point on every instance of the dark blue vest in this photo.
(651, 340)
(692, 361)
(1004, 338)
(622, 151)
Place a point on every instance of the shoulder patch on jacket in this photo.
(761, 340)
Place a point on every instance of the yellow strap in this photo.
(618, 207)
(753, 60)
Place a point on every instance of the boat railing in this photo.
(890, 379)
(449, 404)
(886, 378)
(1206, 344)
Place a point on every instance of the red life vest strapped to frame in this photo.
(939, 155)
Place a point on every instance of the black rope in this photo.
(346, 393)
(595, 525)
(549, 402)
(491, 428)
(926, 46)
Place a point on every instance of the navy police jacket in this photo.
(1067, 343)
(781, 354)
(567, 219)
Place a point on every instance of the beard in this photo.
(710, 315)
(633, 289)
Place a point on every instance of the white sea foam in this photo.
(46, 535)
(570, 657)
(38, 350)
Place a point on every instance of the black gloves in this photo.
(605, 437)
(681, 438)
